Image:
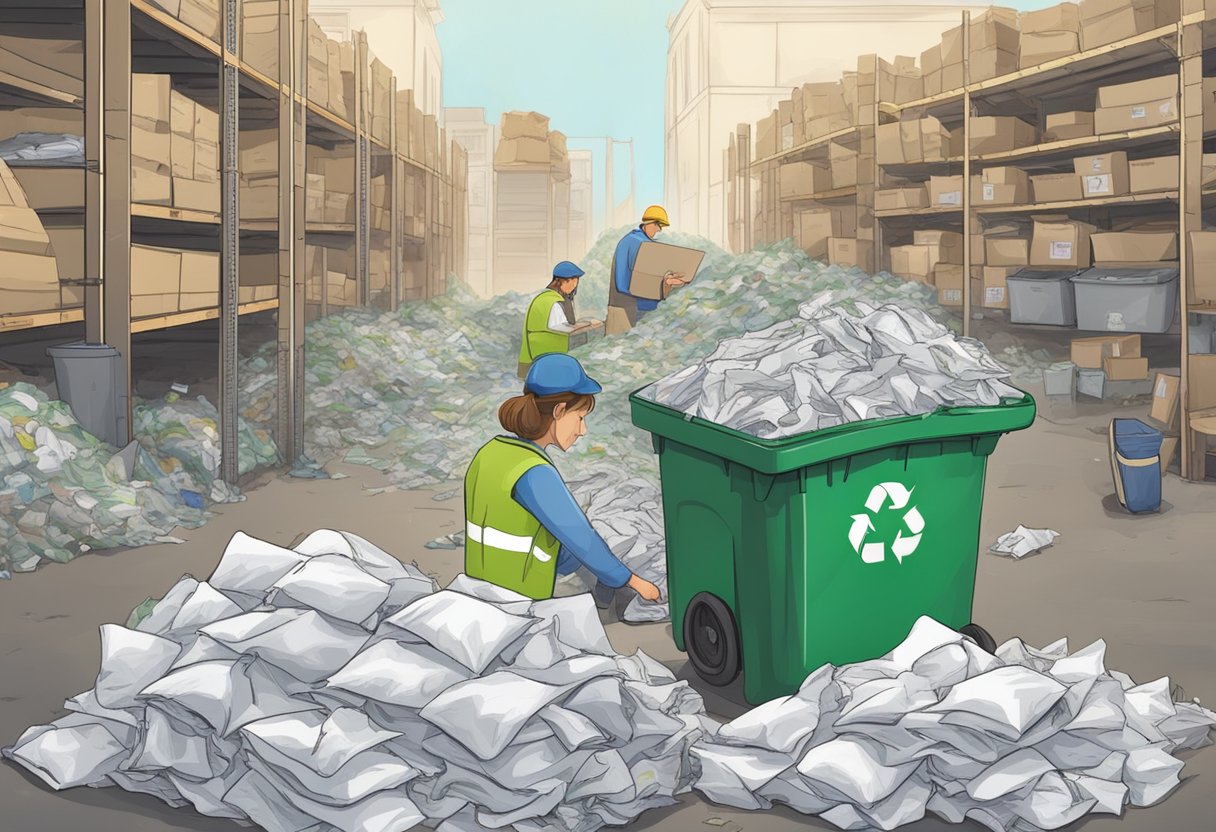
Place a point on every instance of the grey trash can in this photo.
(87, 378)
(1042, 296)
(1127, 300)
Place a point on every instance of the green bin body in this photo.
(784, 531)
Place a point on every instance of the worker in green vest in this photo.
(523, 527)
(550, 318)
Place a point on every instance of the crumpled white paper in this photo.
(1023, 541)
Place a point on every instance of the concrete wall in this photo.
(582, 208)
(731, 61)
(401, 33)
(467, 125)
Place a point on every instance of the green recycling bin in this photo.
(786, 554)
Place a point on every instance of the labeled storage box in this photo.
(1042, 296)
(1126, 300)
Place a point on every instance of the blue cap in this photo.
(557, 372)
(567, 270)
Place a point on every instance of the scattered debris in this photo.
(1023, 541)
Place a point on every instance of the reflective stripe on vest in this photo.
(496, 539)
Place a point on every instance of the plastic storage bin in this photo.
(1135, 461)
(825, 547)
(87, 378)
(1127, 300)
(1042, 296)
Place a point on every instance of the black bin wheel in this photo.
(711, 639)
(982, 638)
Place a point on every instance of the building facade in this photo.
(401, 33)
(582, 208)
(731, 61)
(467, 125)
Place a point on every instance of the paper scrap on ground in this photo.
(1023, 541)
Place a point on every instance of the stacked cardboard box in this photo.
(767, 138)
(1203, 267)
(200, 280)
(151, 139)
(1060, 242)
(1050, 33)
(813, 229)
(29, 278)
(785, 124)
(1137, 105)
(904, 142)
(380, 99)
(335, 170)
(524, 139)
(1056, 187)
(405, 106)
(1160, 173)
(1003, 186)
(259, 277)
(258, 163)
(901, 199)
(260, 35)
(379, 213)
(994, 48)
(203, 16)
(948, 278)
(929, 249)
(997, 134)
(1118, 356)
(1104, 175)
(825, 109)
(27, 54)
(1109, 21)
(1119, 248)
(947, 191)
(802, 180)
(559, 155)
(1006, 246)
(843, 161)
(156, 275)
(196, 155)
(1075, 124)
(318, 64)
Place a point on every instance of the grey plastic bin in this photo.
(1042, 296)
(1127, 299)
(87, 378)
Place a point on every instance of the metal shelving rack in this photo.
(1179, 48)
(112, 51)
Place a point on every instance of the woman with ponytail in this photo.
(523, 527)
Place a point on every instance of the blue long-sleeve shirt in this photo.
(626, 256)
(543, 493)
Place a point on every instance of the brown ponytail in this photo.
(529, 416)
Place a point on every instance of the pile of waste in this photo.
(464, 708)
(43, 149)
(1024, 740)
(827, 367)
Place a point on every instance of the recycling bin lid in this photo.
(1149, 276)
(81, 350)
(1044, 274)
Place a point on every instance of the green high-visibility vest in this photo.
(505, 544)
(538, 338)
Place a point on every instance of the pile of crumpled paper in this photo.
(827, 367)
(331, 686)
(1024, 740)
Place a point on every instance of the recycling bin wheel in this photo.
(982, 638)
(711, 639)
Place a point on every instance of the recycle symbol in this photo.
(863, 524)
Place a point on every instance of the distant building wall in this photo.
(467, 125)
(731, 61)
(582, 208)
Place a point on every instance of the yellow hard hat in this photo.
(655, 213)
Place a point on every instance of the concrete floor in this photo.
(1144, 584)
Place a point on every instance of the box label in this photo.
(1061, 250)
(950, 198)
(1161, 388)
(1097, 184)
(994, 294)
(1165, 108)
(1095, 165)
(1116, 351)
(989, 192)
(1139, 112)
(952, 295)
(1115, 323)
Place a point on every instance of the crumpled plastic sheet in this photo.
(44, 148)
(331, 686)
(1023, 541)
(1024, 740)
(828, 367)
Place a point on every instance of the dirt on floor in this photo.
(1144, 584)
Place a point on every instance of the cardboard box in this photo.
(814, 230)
(993, 63)
(1007, 251)
(201, 15)
(1056, 187)
(766, 137)
(897, 199)
(1109, 21)
(67, 246)
(523, 151)
(150, 98)
(1201, 382)
(155, 271)
(259, 198)
(339, 208)
(843, 251)
(1040, 47)
(1060, 242)
(1062, 17)
(1134, 247)
(182, 156)
(1103, 175)
(654, 261)
(1152, 175)
(912, 263)
(997, 134)
(1203, 267)
(994, 287)
(42, 120)
(1165, 399)
(1169, 449)
(259, 152)
(1004, 186)
(800, 180)
(206, 124)
(1074, 124)
(196, 195)
(843, 166)
(150, 183)
(948, 278)
(21, 231)
(260, 35)
(28, 283)
(150, 144)
(1125, 369)
(1137, 106)
(945, 191)
(1090, 353)
(947, 245)
(206, 162)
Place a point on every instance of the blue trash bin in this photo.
(1135, 461)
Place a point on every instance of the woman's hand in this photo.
(644, 588)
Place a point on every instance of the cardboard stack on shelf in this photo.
(327, 270)
(151, 139)
(929, 250)
(815, 229)
(1073, 124)
(999, 134)
(405, 111)
(901, 198)
(380, 100)
(1060, 242)
(29, 277)
(825, 109)
(156, 280)
(994, 51)
(260, 35)
(1137, 106)
(1003, 186)
(379, 208)
(259, 171)
(333, 170)
(195, 154)
(259, 277)
(203, 16)
(331, 68)
(912, 141)
(1048, 34)
(200, 280)
(1109, 21)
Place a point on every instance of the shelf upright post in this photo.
(291, 315)
(94, 146)
(394, 225)
(362, 149)
(230, 236)
(967, 215)
(115, 197)
(1190, 212)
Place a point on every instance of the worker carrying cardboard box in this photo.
(550, 320)
(625, 304)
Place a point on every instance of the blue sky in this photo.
(595, 67)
